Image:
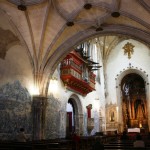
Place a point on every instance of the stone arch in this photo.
(79, 37)
(119, 94)
(77, 105)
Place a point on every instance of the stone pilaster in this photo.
(39, 113)
(80, 116)
(76, 124)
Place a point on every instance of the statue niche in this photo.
(134, 102)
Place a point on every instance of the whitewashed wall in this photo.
(118, 63)
(62, 95)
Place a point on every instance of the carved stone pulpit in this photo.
(90, 121)
(90, 125)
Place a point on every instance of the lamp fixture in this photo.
(88, 6)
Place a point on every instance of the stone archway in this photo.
(78, 113)
(119, 94)
(134, 102)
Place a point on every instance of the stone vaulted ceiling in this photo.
(48, 29)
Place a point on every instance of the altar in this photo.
(134, 130)
(134, 105)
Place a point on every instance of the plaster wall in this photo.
(15, 98)
(16, 80)
(16, 66)
(56, 113)
(118, 63)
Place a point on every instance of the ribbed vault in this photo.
(48, 29)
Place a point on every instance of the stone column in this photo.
(39, 113)
(76, 123)
(80, 116)
(62, 131)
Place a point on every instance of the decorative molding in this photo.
(90, 125)
(76, 72)
(26, 2)
(130, 68)
(111, 116)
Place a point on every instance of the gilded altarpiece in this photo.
(134, 103)
(111, 117)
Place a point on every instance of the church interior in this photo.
(79, 66)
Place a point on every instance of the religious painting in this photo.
(111, 117)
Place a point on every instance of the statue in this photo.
(139, 108)
(126, 90)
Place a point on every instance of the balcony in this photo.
(73, 75)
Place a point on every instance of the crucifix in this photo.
(128, 49)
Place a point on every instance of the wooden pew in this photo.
(123, 146)
(15, 146)
(36, 145)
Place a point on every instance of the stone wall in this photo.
(15, 110)
(52, 118)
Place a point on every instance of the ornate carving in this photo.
(76, 73)
(90, 124)
(26, 2)
(111, 117)
(134, 101)
(128, 49)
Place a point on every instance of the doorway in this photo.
(70, 125)
(74, 119)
